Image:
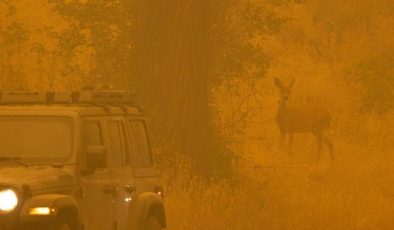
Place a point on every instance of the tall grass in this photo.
(353, 192)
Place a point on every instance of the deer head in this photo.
(284, 90)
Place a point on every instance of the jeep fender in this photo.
(147, 204)
(62, 204)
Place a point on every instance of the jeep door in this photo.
(147, 177)
(95, 198)
(121, 170)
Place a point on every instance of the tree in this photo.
(105, 27)
(172, 57)
(14, 36)
(184, 48)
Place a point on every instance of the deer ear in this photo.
(278, 83)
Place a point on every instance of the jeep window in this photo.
(92, 134)
(139, 144)
(36, 137)
(119, 153)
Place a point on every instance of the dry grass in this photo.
(354, 192)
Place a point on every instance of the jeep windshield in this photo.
(36, 138)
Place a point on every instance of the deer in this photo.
(291, 120)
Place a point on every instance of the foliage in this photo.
(105, 27)
(376, 74)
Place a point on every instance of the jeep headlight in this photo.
(8, 200)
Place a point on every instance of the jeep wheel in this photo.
(152, 224)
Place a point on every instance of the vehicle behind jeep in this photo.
(77, 160)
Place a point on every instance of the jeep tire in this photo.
(152, 223)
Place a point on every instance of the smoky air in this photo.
(196, 114)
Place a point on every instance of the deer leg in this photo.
(291, 138)
(282, 137)
(329, 144)
(318, 136)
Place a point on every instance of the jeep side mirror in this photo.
(96, 157)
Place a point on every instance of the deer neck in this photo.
(281, 109)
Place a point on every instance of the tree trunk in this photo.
(172, 77)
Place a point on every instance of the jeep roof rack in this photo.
(94, 97)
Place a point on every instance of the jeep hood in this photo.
(37, 178)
